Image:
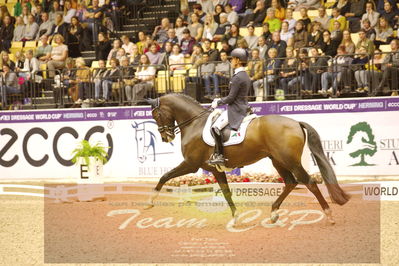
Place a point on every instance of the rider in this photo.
(239, 87)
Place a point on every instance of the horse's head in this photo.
(163, 116)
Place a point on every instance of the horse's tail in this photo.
(327, 172)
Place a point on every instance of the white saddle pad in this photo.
(236, 137)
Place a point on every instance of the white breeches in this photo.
(221, 122)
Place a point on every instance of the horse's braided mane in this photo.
(185, 97)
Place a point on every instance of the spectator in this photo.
(25, 14)
(144, 80)
(36, 7)
(58, 56)
(223, 27)
(390, 68)
(83, 81)
(251, 38)
(336, 17)
(374, 71)
(370, 32)
(242, 43)
(103, 47)
(364, 42)
(222, 73)
(304, 17)
(68, 76)
(279, 45)
(357, 9)
(381, 5)
(371, 14)
(18, 7)
(6, 33)
(55, 10)
(120, 53)
(274, 23)
(176, 58)
(98, 76)
(291, 21)
(19, 30)
(226, 48)
(135, 56)
(322, 18)
(347, 42)
(166, 53)
(390, 14)
(196, 28)
(30, 30)
(232, 16)
(187, 43)
(38, 14)
(315, 35)
(111, 79)
(266, 33)
(257, 17)
(81, 10)
(59, 27)
(76, 38)
(172, 38)
(233, 36)
(288, 69)
(343, 7)
(359, 68)
(160, 33)
(303, 78)
(206, 70)
(212, 53)
(317, 66)
(209, 28)
(384, 32)
(262, 47)
(5, 59)
(272, 69)
(19, 61)
(336, 74)
(237, 5)
(255, 73)
(179, 28)
(329, 46)
(127, 77)
(69, 12)
(300, 35)
(43, 52)
(216, 14)
(280, 11)
(46, 27)
(116, 45)
(197, 8)
(142, 40)
(154, 55)
(94, 17)
(127, 44)
(9, 82)
(30, 70)
(196, 56)
(336, 34)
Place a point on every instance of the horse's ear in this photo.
(152, 102)
(135, 125)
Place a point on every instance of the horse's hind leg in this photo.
(290, 184)
(222, 181)
(301, 174)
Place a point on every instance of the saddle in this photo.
(230, 136)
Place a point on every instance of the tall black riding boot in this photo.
(217, 157)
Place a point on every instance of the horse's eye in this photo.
(141, 138)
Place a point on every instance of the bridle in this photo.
(173, 129)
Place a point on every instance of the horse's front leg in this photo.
(182, 169)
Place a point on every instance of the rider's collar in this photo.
(239, 69)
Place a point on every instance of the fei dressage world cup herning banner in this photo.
(360, 138)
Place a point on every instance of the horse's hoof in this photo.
(330, 219)
(274, 217)
(235, 219)
(148, 206)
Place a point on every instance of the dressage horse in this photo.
(280, 138)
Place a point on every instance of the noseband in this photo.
(173, 129)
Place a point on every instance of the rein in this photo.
(177, 127)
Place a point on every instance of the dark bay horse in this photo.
(280, 138)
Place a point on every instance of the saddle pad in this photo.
(236, 137)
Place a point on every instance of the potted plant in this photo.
(90, 158)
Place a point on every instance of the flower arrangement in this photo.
(192, 180)
(85, 150)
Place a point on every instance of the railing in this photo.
(304, 79)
